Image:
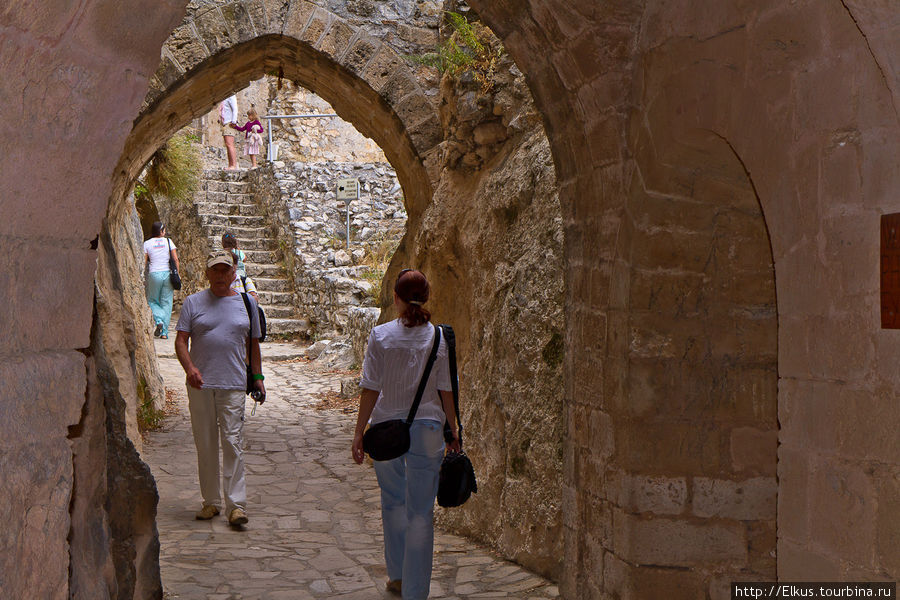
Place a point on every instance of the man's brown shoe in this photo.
(237, 517)
(395, 586)
(207, 512)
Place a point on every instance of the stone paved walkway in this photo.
(315, 528)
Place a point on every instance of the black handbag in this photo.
(174, 277)
(390, 439)
(456, 481)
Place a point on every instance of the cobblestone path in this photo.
(315, 528)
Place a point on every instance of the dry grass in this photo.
(334, 401)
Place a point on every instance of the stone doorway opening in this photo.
(523, 287)
(285, 214)
(648, 352)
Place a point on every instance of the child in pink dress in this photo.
(253, 130)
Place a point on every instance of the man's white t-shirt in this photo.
(158, 250)
(395, 360)
(219, 327)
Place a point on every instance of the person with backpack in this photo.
(215, 329)
(406, 365)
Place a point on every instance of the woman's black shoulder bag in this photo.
(174, 277)
(456, 481)
(390, 439)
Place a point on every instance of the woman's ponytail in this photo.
(413, 289)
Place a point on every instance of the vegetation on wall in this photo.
(471, 49)
(378, 253)
(173, 171)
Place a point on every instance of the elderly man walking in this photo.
(216, 323)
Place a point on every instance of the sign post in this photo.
(348, 191)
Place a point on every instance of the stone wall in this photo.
(799, 99)
(300, 202)
(314, 140)
(65, 70)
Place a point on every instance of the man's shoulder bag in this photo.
(251, 383)
(262, 315)
(456, 482)
(390, 439)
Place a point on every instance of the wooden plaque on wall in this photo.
(890, 271)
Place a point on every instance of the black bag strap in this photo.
(250, 316)
(450, 339)
(425, 374)
(169, 244)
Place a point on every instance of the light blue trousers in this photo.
(408, 488)
(159, 297)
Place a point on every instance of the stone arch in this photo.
(800, 91)
(197, 91)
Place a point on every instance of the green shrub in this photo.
(148, 418)
(174, 170)
(471, 48)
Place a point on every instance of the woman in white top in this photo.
(395, 360)
(158, 285)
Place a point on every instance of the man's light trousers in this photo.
(219, 414)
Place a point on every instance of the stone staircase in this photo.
(226, 204)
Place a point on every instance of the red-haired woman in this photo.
(395, 360)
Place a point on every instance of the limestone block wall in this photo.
(801, 97)
(300, 201)
(63, 73)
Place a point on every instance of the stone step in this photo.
(264, 270)
(259, 256)
(276, 298)
(278, 311)
(221, 175)
(272, 284)
(229, 197)
(227, 208)
(216, 231)
(277, 325)
(245, 244)
(236, 221)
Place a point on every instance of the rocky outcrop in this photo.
(124, 320)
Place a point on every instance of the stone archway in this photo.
(803, 92)
(350, 64)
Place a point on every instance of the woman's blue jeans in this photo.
(159, 297)
(408, 488)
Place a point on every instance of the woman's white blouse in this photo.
(394, 363)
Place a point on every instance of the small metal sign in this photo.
(347, 189)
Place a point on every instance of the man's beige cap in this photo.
(219, 257)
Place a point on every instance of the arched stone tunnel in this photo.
(721, 176)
